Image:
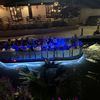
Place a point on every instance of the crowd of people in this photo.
(50, 43)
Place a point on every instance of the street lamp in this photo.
(30, 11)
(41, 2)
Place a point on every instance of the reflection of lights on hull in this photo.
(31, 65)
(91, 60)
(24, 64)
(72, 62)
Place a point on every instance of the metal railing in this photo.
(72, 53)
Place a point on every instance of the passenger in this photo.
(26, 41)
(38, 48)
(1, 46)
(0, 50)
(81, 32)
(14, 46)
(72, 42)
(27, 47)
(75, 41)
(16, 42)
(31, 47)
(9, 42)
(11, 50)
(22, 48)
(3, 50)
(96, 32)
(22, 41)
(47, 61)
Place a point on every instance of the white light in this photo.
(10, 8)
(59, 10)
(41, 3)
(54, 10)
(56, 3)
(28, 4)
(51, 5)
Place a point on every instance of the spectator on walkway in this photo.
(81, 32)
(96, 32)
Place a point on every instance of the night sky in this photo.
(86, 3)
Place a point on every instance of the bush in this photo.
(58, 23)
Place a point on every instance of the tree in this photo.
(44, 82)
(56, 80)
(70, 12)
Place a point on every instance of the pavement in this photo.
(87, 31)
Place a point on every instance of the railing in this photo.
(72, 53)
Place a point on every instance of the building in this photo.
(18, 11)
(35, 9)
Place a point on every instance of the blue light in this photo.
(30, 65)
(72, 62)
(34, 65)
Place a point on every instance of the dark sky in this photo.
(89, 3)
(10, 2)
